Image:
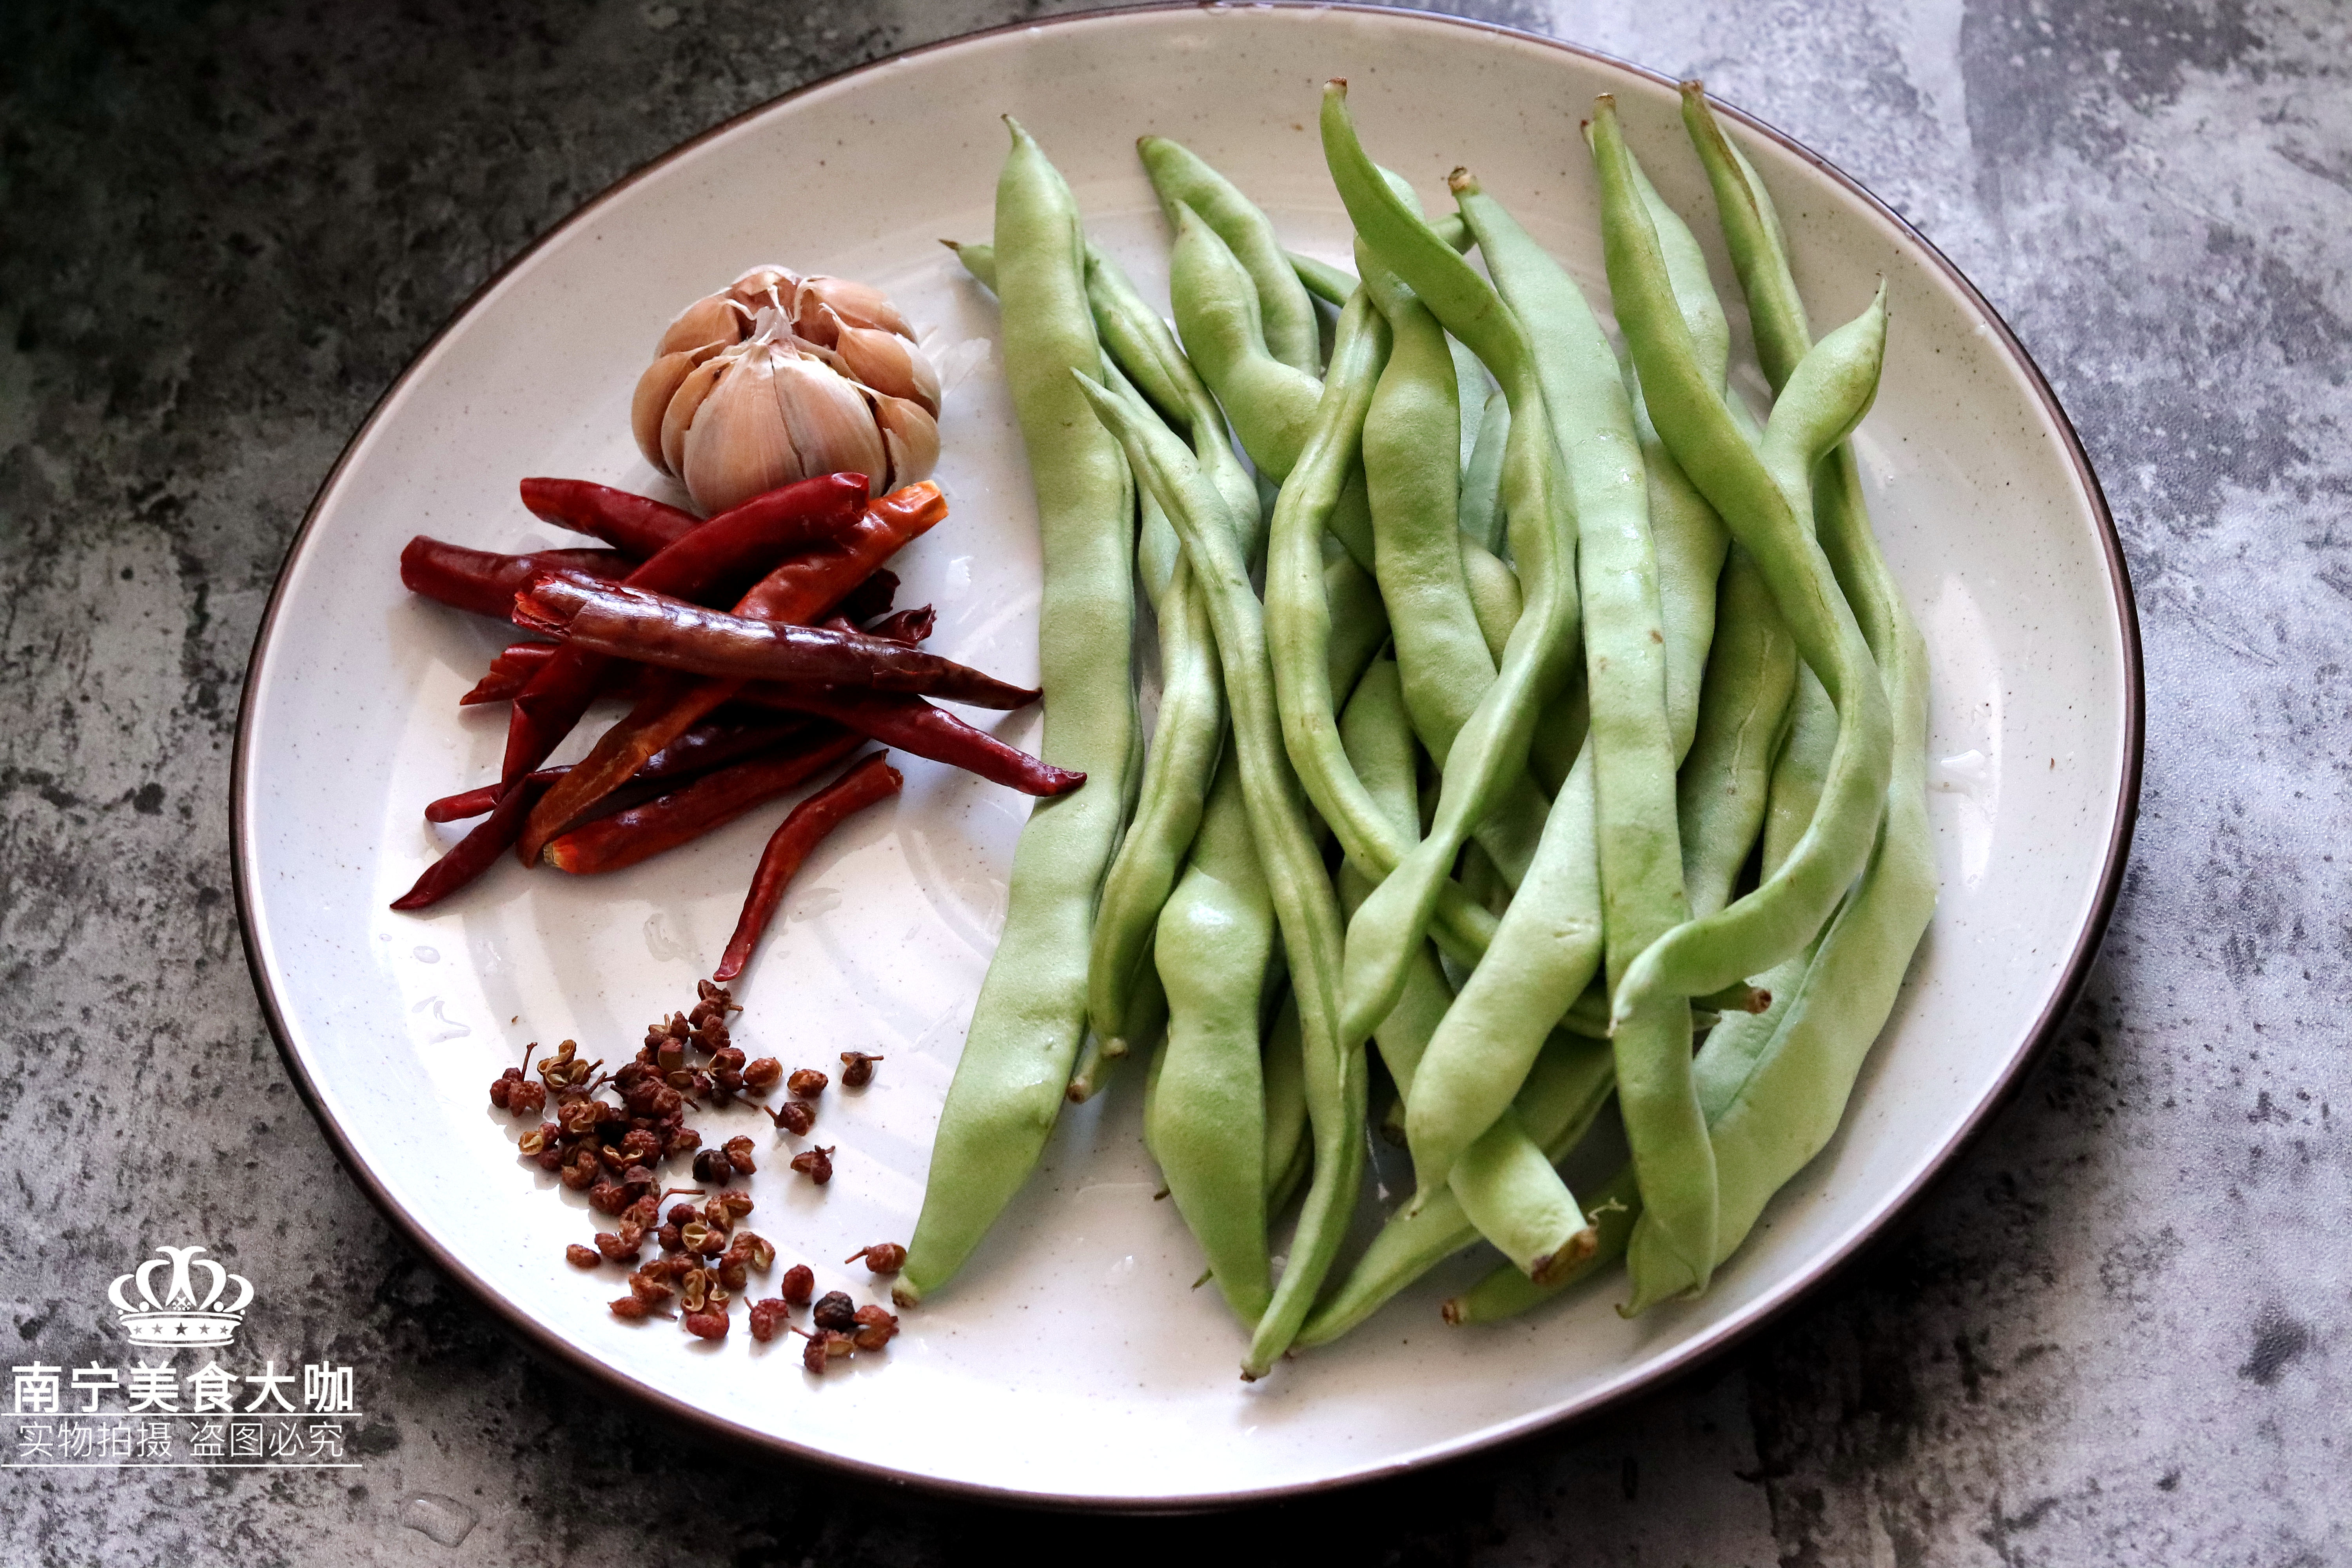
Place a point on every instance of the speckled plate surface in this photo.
(1071, 1362)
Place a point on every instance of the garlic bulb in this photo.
(778, 377)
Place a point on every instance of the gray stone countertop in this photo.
(2117, 1331)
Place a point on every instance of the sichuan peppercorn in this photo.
(857, 1069)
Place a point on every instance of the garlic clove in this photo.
(766, 286)
(827, 417)
(683, 404)
(713, 318)
(911, 436)
(657, 389)
(737, 445)
(860, 304)
(886, 363)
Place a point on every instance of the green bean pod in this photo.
(1492, 748)
(1288, 1150)
(1507, 1009)
(1299, 626)
(1184, 180)
(1206, 1126)
(1762, 495)
(1505, 1186)
(1010, 1081)
(1562, 1097)
(1189, 726)
(1721, 794)
(1788, 1107)
(1413, 473)
(1482, 478)
(1305, 906)
(1272, 405)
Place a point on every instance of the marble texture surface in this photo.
(2120, 1331)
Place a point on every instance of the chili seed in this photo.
(882, 1257)
(580, 1257)
(798, 1283)
(817, 1165)
(806, 1082)
(835, 1310)
(857, 1069)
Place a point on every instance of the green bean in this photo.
(1721, 793)
(1788, 1107)
(1305, 906)
(1725, 1060)
(1762, 495)
(1492, 748)
(1413, 472)
(1299, 622)
(1494, 591)
(1504, 1186)
(1189, 725)
(1026, 1026)
(1288, 1151)
(1146, 1017)
(1801, 771)
(1562, 1096)
(1182, 180)
(1617, 805)
(1473, 389)
(1207, 1123)
(1482, 478)
(1272, 405)
(1331, 284)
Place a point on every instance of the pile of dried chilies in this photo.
(757, 649)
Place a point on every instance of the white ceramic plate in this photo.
(1071, 1362)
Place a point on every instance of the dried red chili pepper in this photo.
(872, 596)
(798, 591)
(686, 814)
(634, 623)
(486, 582)
(636, 525)
(702, 563)
(909, 627)
(471, 855)
(700, 749)
(868, 780)
(911, 724)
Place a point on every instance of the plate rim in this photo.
(1675, 1365)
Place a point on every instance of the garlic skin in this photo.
(778, 377)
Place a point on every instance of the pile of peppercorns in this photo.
(609, 1150)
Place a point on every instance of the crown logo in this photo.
(180, 1315)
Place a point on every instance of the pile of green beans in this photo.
(1572, 753)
